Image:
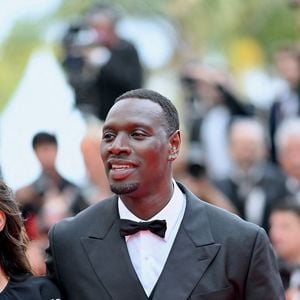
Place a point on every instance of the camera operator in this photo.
(214, 106)
(100, 65)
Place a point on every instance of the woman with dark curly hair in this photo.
(16, 279)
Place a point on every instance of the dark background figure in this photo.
(50, 197)
(211, 105)
(254, 185)
(287, 103)
(100, 65)
(16, 279)
(285, 237)
(287, 141)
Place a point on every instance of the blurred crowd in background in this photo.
(239, 154)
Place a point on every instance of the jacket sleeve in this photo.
(263, 279)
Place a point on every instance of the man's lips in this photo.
(114, 166)
(114, 163)
(120, 169)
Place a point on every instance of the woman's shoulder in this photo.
(38, 280)
(46, 287)
(31, 288)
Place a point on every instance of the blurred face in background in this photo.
(90, 146)
(208, 82)
(288, 66)
(209, 93)
(285, 234)
(247, 145)
(207, 79)
(104, 29)
(289, 156)
(46, 154)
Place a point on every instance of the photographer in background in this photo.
(214, 105)
(100, 65)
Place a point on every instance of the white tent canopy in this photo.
(42, 101)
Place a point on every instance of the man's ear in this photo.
(2, 220)
(174, 145)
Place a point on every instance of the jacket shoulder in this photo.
(86, 219)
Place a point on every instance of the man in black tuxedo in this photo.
(154, 239)
(254, 185)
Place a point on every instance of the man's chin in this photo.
(124, 188)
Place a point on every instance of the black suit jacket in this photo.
(271, 182)
(215, 256)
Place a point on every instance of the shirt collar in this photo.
(172, 212)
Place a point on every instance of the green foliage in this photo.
(14, 56)
(215, 23)
(76, 8)
(203, 24)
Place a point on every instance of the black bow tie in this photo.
(128, 227)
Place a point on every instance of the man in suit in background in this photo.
(254, 185)
(154, 239)
(287, 140)
(50, 197)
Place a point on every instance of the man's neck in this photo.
(147, 207)
(51, 172)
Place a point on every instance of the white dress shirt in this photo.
(149, 252)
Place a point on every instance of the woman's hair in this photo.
(13, 238)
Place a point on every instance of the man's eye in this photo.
(138, 134)
(108, 136)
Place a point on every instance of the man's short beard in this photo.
(124, 188)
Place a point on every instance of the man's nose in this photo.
(120, 145)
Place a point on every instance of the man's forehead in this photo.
(135, 106)
(135, 113)
(136, 102)
(128, 123)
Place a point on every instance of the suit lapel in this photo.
(108, 255)
(192, 252)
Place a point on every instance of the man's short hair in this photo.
(169, 110)
(252, 125)
(43, 138)
(100, 10)
(289, 204)
(289, 127)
